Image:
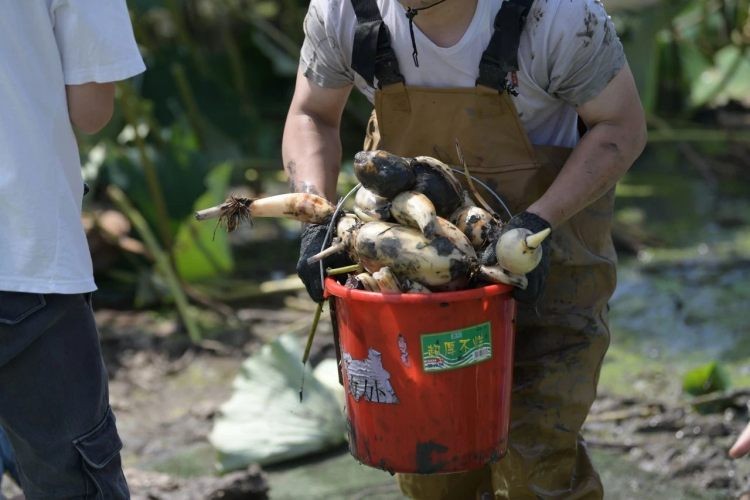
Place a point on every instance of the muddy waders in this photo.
(561, 341)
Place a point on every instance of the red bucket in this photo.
(427, 376)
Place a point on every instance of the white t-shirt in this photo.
(568, 53)
(45, 45)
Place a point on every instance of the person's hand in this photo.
(538, 277)
(313, 236)
(742, 445)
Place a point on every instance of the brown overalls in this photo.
(559, 350)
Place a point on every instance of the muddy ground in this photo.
(165, 393)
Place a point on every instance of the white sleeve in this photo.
(585, 52)
(321, 58)
(95, 40)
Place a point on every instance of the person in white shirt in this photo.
(58, 62)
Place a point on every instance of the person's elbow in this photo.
(631, 129)
(91, 122)
(628, 140)
(90, 106)
(619, 116)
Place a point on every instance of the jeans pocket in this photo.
(100, 451)
(17, 306)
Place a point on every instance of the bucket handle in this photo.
(489, 190)
(329, 231)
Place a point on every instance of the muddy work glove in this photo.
(538, 277)
(313, 236)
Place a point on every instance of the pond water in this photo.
(683, 300)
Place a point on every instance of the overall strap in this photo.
(501, 55)
(372, 54)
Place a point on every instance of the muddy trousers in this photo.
(556, 371)
(54, 398)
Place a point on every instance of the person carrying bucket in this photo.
(509, 81)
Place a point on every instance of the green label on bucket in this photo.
(457, 348)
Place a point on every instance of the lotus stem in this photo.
(354, 268)
(336, 247)
(497, 274)
(311, 335)
(210, 213)
(308, 346)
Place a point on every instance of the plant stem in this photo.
(149, 169)
(311, 335)
(210, 213)
(238, 68)
(191, 105)
(308, 346)
(184, 37)
(354, 268)
(162, 259)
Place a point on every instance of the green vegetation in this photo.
(209, 114)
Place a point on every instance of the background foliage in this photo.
(209, 114)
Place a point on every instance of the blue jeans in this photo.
(54, 399)
(7, 459)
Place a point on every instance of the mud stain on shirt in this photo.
(537, 14)
(590, 22)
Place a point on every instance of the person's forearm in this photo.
(311, 151)
(602, 157)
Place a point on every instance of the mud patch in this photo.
(590, 22)
(537, 14)
(425, 463)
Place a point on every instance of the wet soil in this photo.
(674, 442)
(165, 393)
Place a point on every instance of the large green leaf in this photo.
(265, 422)
(728, 79)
